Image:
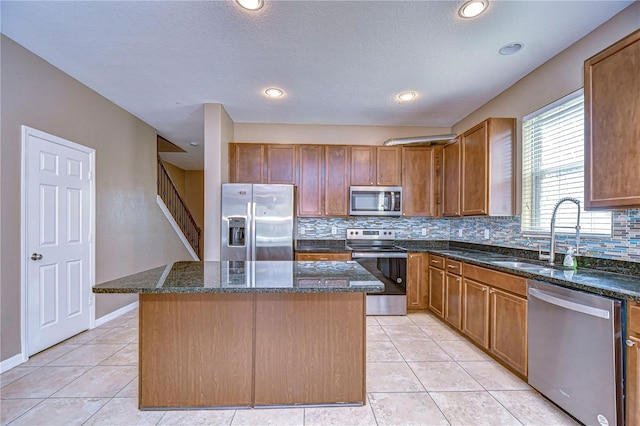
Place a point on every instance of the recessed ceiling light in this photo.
(273, 92)
(510, 48)
(473, 8)
(194, 143)
(251, 4)
(407, 96)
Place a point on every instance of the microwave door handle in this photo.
(392, 197)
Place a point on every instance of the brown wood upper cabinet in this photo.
(262, 163)
(246, 162)
(419, 176)
(487, 174)
(451, 179)
(376, 165)
(323, 180)
(612, 126)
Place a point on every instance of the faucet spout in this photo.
(552, 250)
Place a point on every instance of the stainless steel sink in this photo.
(519, 265)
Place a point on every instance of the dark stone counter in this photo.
(622, 286)
(321, 246)
(248, 277)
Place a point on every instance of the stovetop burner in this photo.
(372, 240)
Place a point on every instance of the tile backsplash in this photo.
(624, 244)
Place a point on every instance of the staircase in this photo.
(178, 208)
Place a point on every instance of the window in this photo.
(553, 167)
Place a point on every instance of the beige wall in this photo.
(556, 78)
(131, 232)
(327, 134)
(194, 194)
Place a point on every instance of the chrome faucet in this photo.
(552, 249)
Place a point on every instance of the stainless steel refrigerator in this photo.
(257, 222)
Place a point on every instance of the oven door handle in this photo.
(369, 255)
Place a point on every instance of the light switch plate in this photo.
(424, 231)
(486, 234)
(303, 230)
(334, 230)
(459, 232)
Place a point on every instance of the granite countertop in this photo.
(591, 280)
(248, 277)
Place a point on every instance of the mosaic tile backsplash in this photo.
(624, 244)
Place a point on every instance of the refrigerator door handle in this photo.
(567, 304)
(249, 233)
(254, 230)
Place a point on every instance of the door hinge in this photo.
(90, 175)
(89, 237)
(90, 300)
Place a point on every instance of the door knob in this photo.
(630, 343)
(36, 256)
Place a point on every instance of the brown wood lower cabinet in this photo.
(321, 256)
(417, 285)
(436, 291)
(495, 314)
(475, 312)
(247, 349)
(509, 329)
(633, 364)
(453, 293)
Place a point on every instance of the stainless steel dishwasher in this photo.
(575, 352)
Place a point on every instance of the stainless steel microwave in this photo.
(375, 201)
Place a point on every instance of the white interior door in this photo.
(58, 218)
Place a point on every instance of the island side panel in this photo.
(196, 350)
(310, 348)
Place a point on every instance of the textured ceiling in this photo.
(339, 62)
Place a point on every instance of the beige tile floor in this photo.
(418, 372)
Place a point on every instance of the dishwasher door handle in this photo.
(567, 304)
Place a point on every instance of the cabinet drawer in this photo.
(633, 315)
(454, 267)
(323, 256)
(436, 261)
(508, 282)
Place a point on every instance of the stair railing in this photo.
(178, 208)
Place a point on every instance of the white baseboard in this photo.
(115, 314)
(14, 361)
(176, 228)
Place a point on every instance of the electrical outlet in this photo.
(459, 232)
(334, 230)
(424, 231)
(486, 234)
(303, 230)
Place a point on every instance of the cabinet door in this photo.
(309, 196)
(612, 126)
(363, 163)
(336, 181)
(281, 164)
(388, 166)
(453, 300)
(436, 291)
(633, 380)
(475, 312)
(451, 180)
(246, 163)
(416, 282)
(475, 151)
(509, 329)
(418, 181)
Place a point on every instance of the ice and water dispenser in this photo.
(237, 226)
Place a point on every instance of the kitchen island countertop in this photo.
(247, 277)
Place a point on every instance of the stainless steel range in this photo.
(375, 250)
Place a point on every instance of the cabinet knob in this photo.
(491, 291)
(630, 343)
(484, 289)
(458, 280)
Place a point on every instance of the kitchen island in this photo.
(247, 334)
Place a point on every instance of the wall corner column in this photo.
(218, 132)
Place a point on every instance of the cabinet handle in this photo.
(484, 289)
(457, 280)
(491, 291)
(451, 266)
(630, 343)
(324, 258)
(434, 261)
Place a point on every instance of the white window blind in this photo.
(553, 167)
